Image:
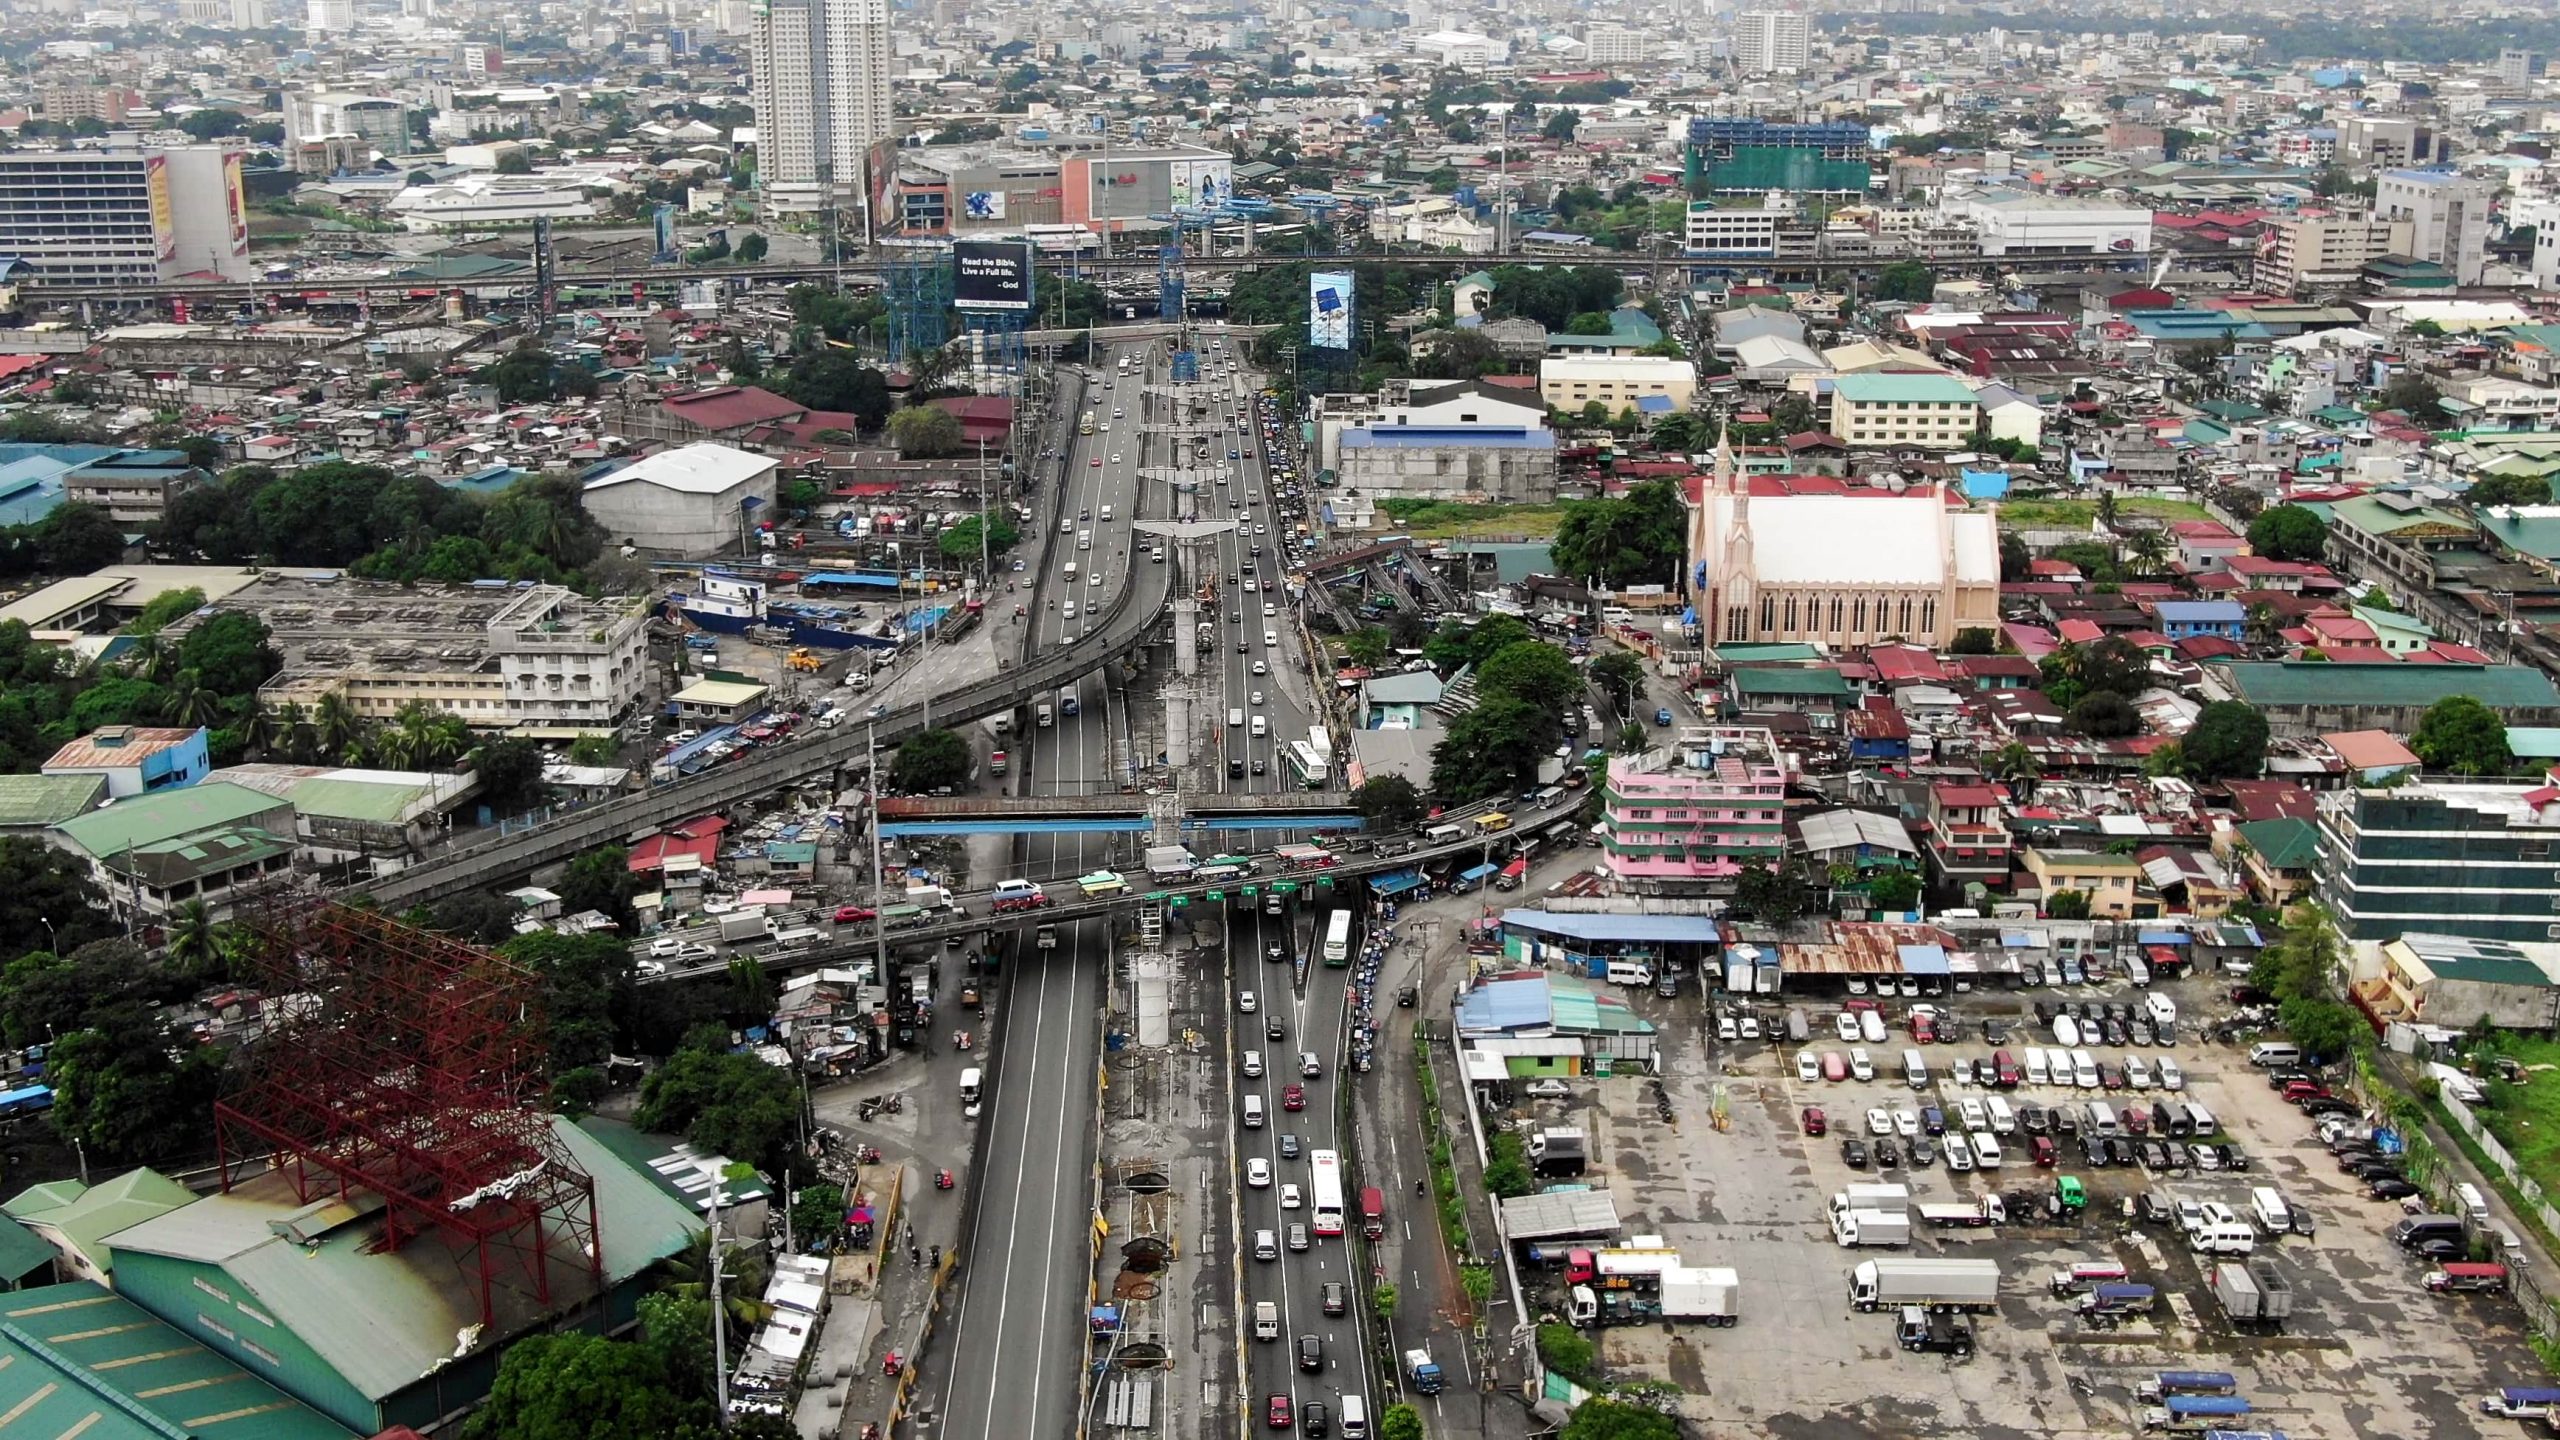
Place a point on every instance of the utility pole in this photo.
(719, 1331)
(879, 877)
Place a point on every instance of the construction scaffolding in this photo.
(409, 1066)
(917, 285)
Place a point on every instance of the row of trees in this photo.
(389, 526)
(1521, 684)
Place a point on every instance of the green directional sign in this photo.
(1178, 902)
(1250, 891)
(1217, 895)
(1285, 887)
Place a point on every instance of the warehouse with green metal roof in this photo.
(2314, 697)
(78, 1360)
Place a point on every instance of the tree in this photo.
(2148, 550)
(77, 538)
(572, 1385)
(1389, 802)
(1493, 749)
(46, 903)
(2106, 715)
(817, 1213)
(723, 1102)
(1454, 355)
(1367, 647)
(2228, 741)
(1400, 1422)
(1975, 640)
(165, 608)
(510, 771)
(2067, 905)
(125, 1090)
(195, 942)
(960, 541)
(1533, 671)
(1568, 1352)
(925, 432)
(2494, 491)
(2013, 765)
(1455, 646)
(1602, 1418)
(2417, 397)
(1894, 890)
(1792, 415)
(752, 248)
(2288, 532)
(1638, 538)
(600, 880)
(1561, 125)
(1908, 281)
(831, 379)
(2325, 1029)
(1620, 675)
(2015, 559)
(1777, 894)
(230, 654)
(584, 980)
(2460, 734)
(930, 760)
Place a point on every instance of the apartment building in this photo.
(2442, 858)
(1570, 382)
(1967, 838)
(1922, 412)
(1772, 42)
(2318, 251)
(2446, 215)
(1696, 815)
(134, 487)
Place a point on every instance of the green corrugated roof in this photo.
(1882, 389)
(165, 815)
(1763, 654)
(22, 1252)
(1760, 680)
(92, 1215)
(670, 1163)
(51, 1195)
(32, 801)
(382, 1320)
(2369, 514)
(77, 1360)
(2392, 683)
(2287, 842)
(2536, 535)
(336, 799)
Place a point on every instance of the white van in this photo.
(2037, 1073)
(1986, 1151)
(2201, 1120)
(1871, 1027)
(1235, 717)
(2470, 1204)
(2004, 1121)
(1261, 727)
(1253, 1112)
(1071, 572)
(2161, 1009)
(1270, 639)
(1106, 510)
(969, 1082)
(2084, 1070)
(1630, 972)
(2269, 1054)
(1353, 1412)
(2224, 1239)
(1084, 539)
(1915, 1069)
(2269, 1209)
(1266, 1320)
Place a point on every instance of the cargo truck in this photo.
(1871, 1197)
(1989, 1210)
(2254, 1293)
(1620, 1267)
(1707, 1296)
(1855, 1229)
(2110, 1305)
(1949, 1284)
(2185, 1382)
(742, 925)
(2195, 1414)
(1558, 1150)
(1420, 1373)
(1923, 1329)
(2522, 1402)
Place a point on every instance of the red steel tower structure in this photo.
(407, 1065)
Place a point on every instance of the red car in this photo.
(1924, 1031)
(2300, 1090)
(847, 914)
(2040, 1147)
(1279, 1416)
(1815, 1122)
(2004, 1070)
(1294, 1098)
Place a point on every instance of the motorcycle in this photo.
(941, 1179)
(960, 1039)
(866, 1155)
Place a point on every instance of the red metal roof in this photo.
(733, 407)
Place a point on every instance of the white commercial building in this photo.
(1715, 230)
(1614, 45)
(821, 89)
(2447, 214)
(330, 19)
(687, 502)
(376, 120)
(1461, 50)
(1568, 382)
(125, 215)
(1767, 42)
(2010, 223)
(478, 200)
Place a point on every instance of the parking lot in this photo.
(2368, 1351)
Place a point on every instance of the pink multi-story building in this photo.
(1692, 818)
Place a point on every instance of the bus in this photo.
(1306, 763)
(1223, 867)
(1324, 1190)
(1085, 426)
(1337, 939)
(1305, 857)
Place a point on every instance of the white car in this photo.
(718, 907)
(1808, 1066)
(1554, 1089)
(1269, 610)
(1861, 1067)
(1289, 1198)
(1879, 1122)
(1726, 1029)
(1906, 1124)
(1750, 1027)
(1257, 698)
(1245, 1002)
(696, 953)
(1257, 1172)
(1115, 457)
(1847, 1024)
(2171, 1077)
(665, 947)
(1259, 668)
(1959, 1154)
(2137, 1073)
(650, 968)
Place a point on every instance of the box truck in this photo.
(1955, 1284)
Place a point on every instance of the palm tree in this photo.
(334, 724)
(2107, 509)
(149, 657)
(2014, 765)
(293, 727)
(260, 729)
(191, 702)
(195, 942)
(2149, 551)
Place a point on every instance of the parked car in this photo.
(1815, 1122)
(1853, 1153)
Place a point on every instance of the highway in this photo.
(1011, 1358)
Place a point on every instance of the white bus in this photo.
(1325, 1188)
(1337, 938)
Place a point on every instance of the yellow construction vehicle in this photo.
(802, 659)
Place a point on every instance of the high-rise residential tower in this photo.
(1769, 42)
(821, 89)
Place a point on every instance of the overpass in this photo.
(1116, 812)
(1133, 612)
(787, 271)
(976, 915)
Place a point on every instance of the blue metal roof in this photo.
(2161, 937)
(1481, 437)
(1521, 1004)
(1923, 959)
(851, 577)
(1664, 929)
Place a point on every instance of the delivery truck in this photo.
(1858, 1229)
(2195, 1414)
(739, 926)
(1558, 1151)
(1974, 1215)
(2165, 1383)
(2253, 1293)
(1420, 1373)
(1703, 1295)
(1951, 1284)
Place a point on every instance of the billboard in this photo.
(982, 205)
(235, 195)
(662, 231)
(1329, 310)
(991, 275)
(164, 215)
(1205, 183)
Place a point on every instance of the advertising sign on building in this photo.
(662, 230)
(982, 205)
(164, 215)
(235, 195)
(991, 275)
(1329, 310)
